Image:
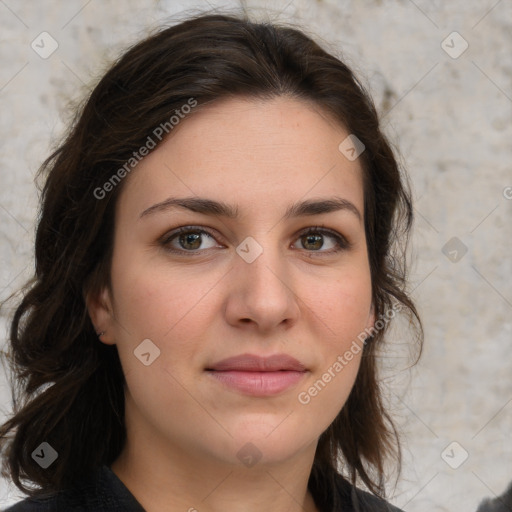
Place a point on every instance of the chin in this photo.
(269, 446)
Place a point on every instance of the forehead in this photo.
(264, 152)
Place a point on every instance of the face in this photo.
(284, 290)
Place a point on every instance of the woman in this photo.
(217, 263)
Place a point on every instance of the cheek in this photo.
(151, 299)
(340, 312)
(171, 311)
(342, 305)
(169, 307)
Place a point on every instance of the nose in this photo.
(263, 295)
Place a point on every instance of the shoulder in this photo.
(27, 505)
(60, 501)
(502, 503)
(101, 492)
(355, 499)
(370, 503)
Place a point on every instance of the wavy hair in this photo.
(69, 388)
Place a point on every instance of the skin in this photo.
(184, 427)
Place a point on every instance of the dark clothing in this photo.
(502, 503)
(105, 492)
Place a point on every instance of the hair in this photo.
(69, 387)
(502, 503)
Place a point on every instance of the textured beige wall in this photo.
(450, 113)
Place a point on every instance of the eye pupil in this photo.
(313, 242)
(193, 238)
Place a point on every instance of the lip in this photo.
(259, 376)
(254, 363)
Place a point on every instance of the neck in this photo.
(173, 479)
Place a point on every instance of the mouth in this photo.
(259, 376)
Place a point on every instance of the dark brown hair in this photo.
(70, 387)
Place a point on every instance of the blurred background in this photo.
(441, 76)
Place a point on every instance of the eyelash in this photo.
(341, 242)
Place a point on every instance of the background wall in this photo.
(440, 73)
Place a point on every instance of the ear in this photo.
(99, 307)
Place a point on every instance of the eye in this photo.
(312, 240)
(191, 240)
(188, 238)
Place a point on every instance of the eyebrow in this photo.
(221, 209)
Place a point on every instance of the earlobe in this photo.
(100, 312)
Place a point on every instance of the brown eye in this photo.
(314, 239)
(313, 242)
(188, 239)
